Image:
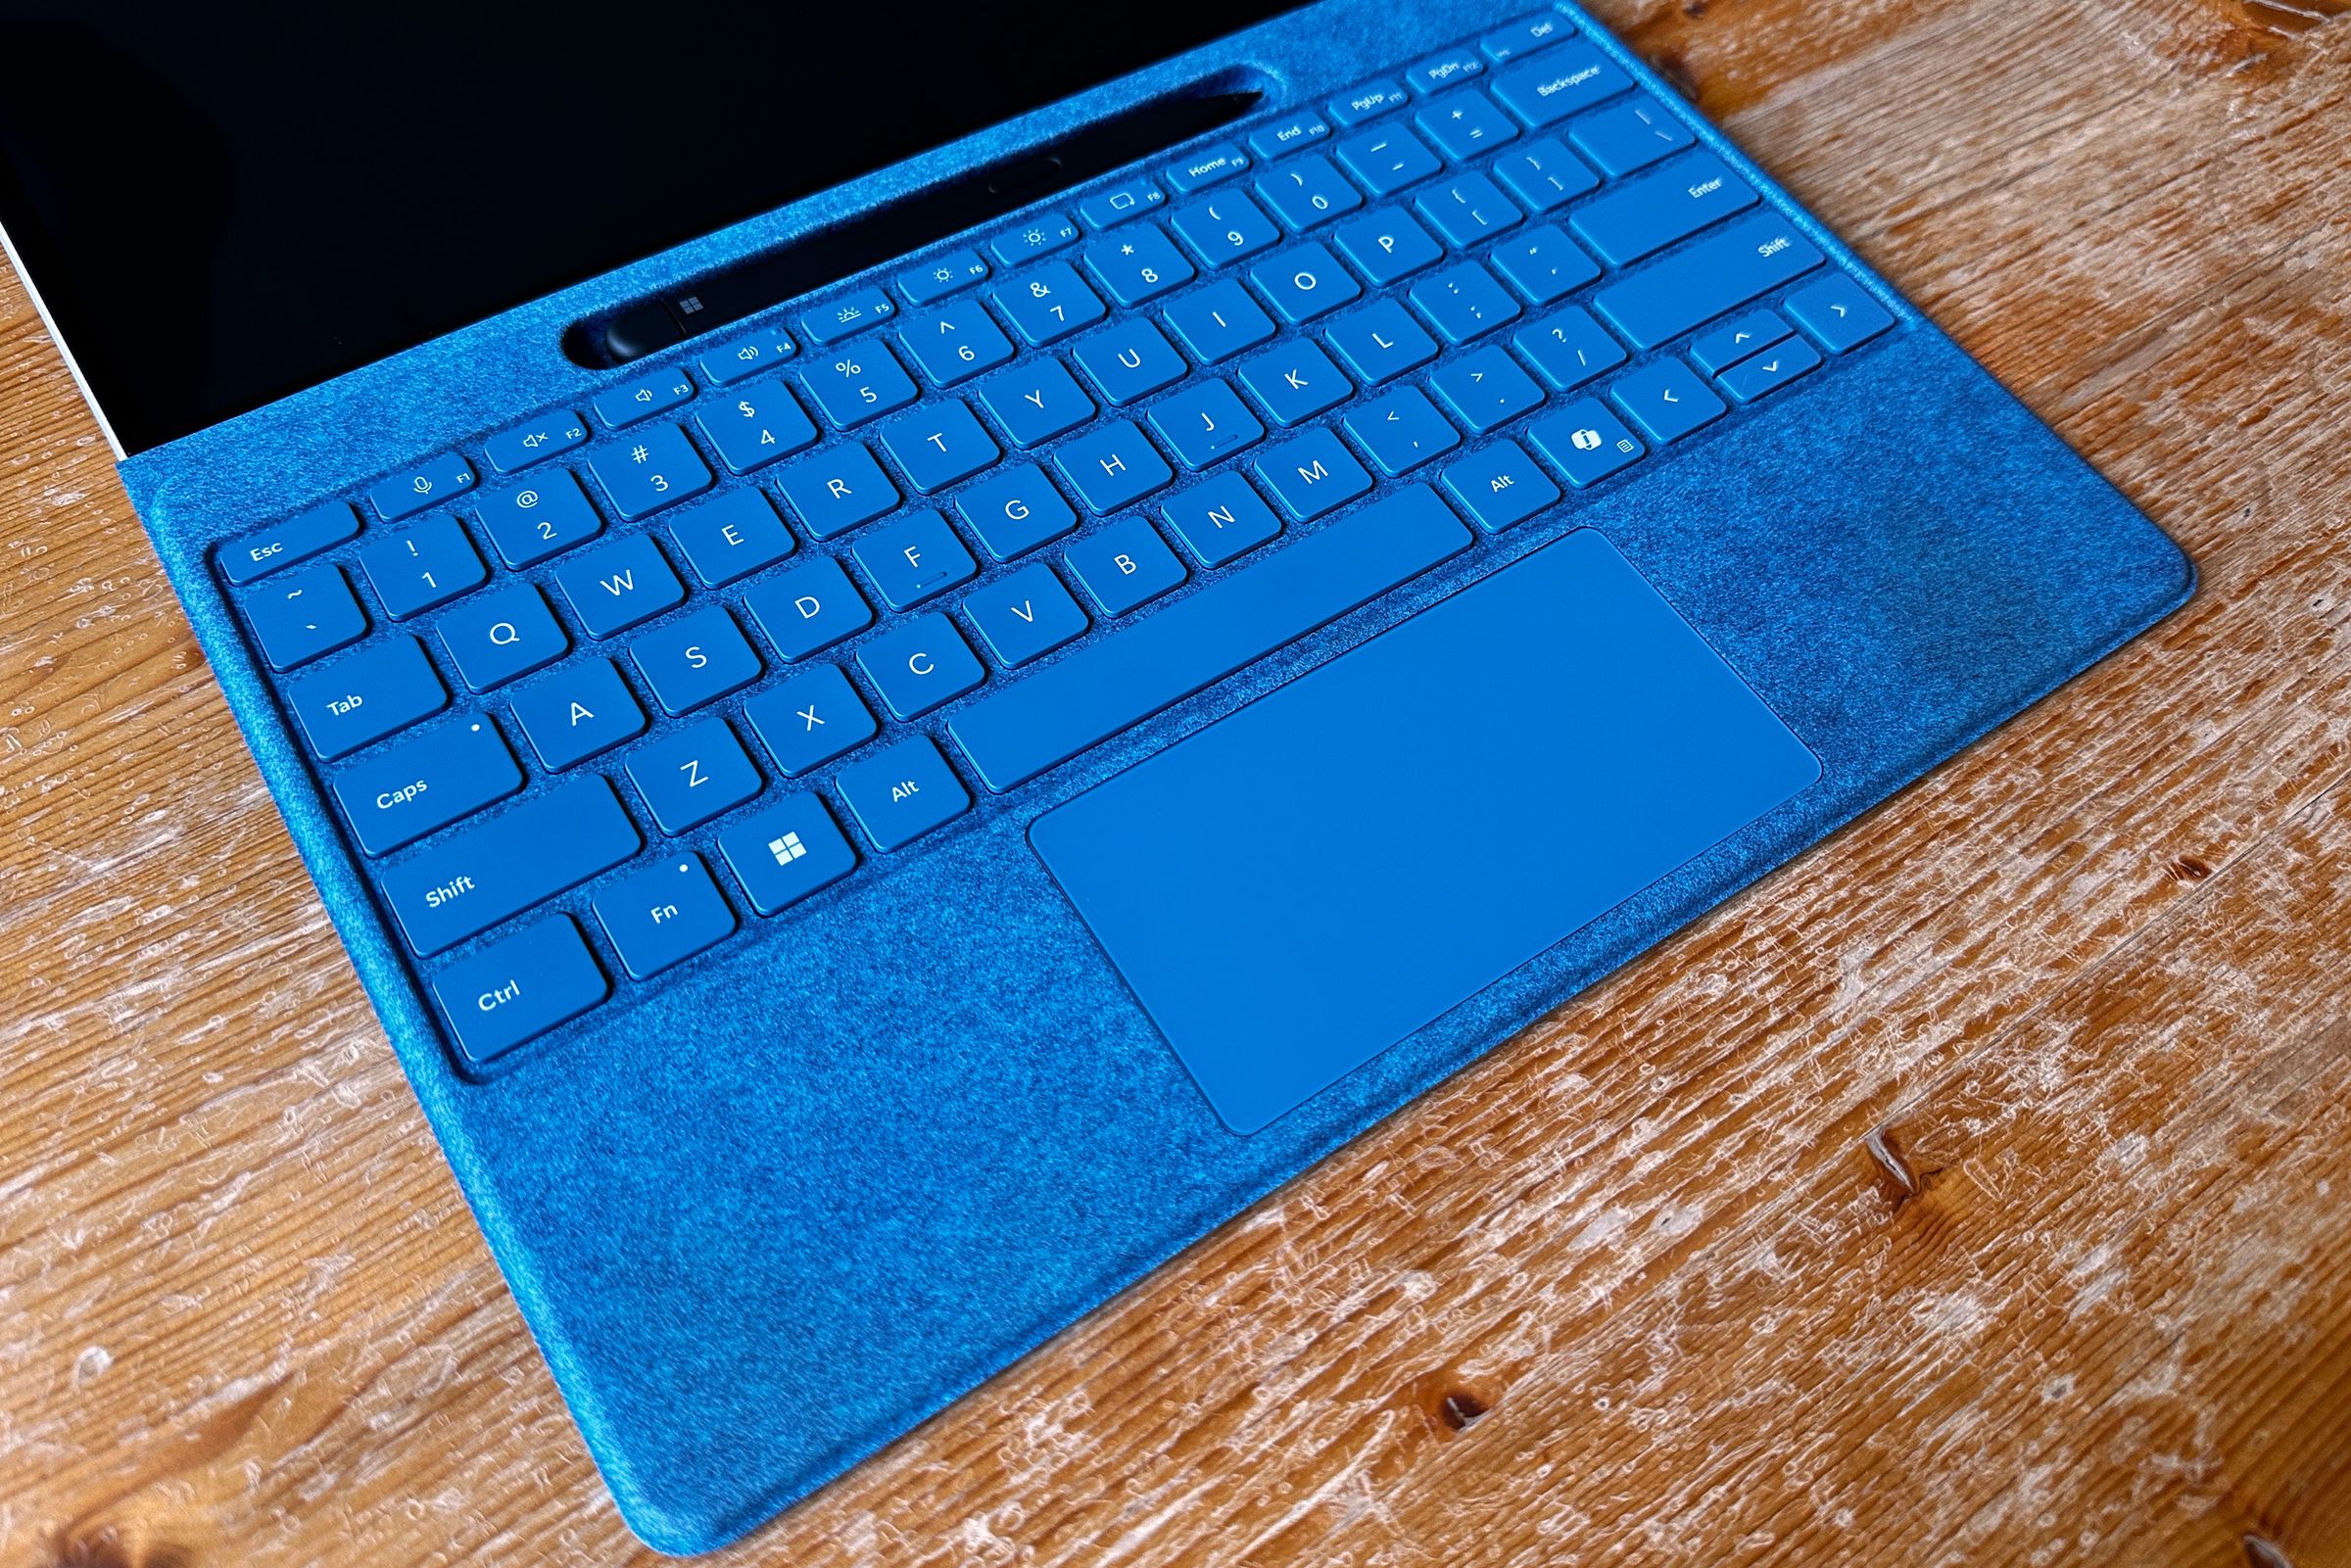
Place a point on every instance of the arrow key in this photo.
(1717, 351)
(1667, 401)
(1838, 312)
(1770, 371)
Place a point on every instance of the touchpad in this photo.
(1302, 885)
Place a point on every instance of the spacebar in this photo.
(1018, 732)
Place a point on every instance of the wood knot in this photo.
(2187, 869)
(1448, 1402)
(2263, 1553)
(106, 1548)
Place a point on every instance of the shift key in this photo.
(1717, 275)
(480, 874)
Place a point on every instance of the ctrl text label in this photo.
(491, 1000)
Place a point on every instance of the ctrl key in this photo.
(519, 987)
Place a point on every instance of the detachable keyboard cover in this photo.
(664, 740)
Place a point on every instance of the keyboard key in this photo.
(415, 569)
(852, 314)
(1500, 487)
(1544, 175)
(1485, 389)
(755, 425)
(1094, 692)
(364, 698)
(1112, 466)
(1225, 229)
(1387, 161)
(695, 659)
(1402, 431)
(519, 987)
(1544, 264)
(256, 555)
(505, 633)
(1205, 423)
(730, 536)
(1127, 361)
(1368, 102)
(619, 585)
(658, 468)
(491, 870)
(807, 608)
(1140, 265)
(1767, 372)
(1285, 136)
(426, 782)
(1218, 321)
(301, 617)
(1567, 80)
(861, 382)
(1642, 218)
(938, 444)
(1464, 303)
(920, 665)
(428, 485)
(1710, 278)
(576, 712)
(810, 719)
(1506, 44)
(1221, 520)
(688, 776)
(1381, 342)
(1387, 246)
(1211, 166)
(535, 443)
(528, 524)
(1036, 400)
(1025, 616)
(1444, 70)
(785, 852)
(1295, 381)
(1467, 208)
(1123, 565)
(1629, 137)
(1586, 441)
(658, 918)
(1464, 125)
(1016, 511)
(837, 488)
(742, 357)
(1129, 199)
(956, 343)
(1568, 347)
(914, 559)
(1726, 345)
(1839, 313)
(1042, 235)
(1049, 304)
(1311, 474)
(1305, 282)
(942, 275)
(642, 397)
(1307, 191)
(902, 793)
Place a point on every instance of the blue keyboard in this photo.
(607, 688)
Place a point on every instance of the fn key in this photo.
(519, 987)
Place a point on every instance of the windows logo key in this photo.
(786, 849)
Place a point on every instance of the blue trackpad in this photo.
(1302, 885)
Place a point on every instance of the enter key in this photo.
(1647, 215)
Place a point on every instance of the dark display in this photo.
(224, 205)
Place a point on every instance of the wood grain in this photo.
(1971, 1191)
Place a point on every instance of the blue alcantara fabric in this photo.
(767, 1213)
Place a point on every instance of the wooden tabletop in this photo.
(1972, 1190)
